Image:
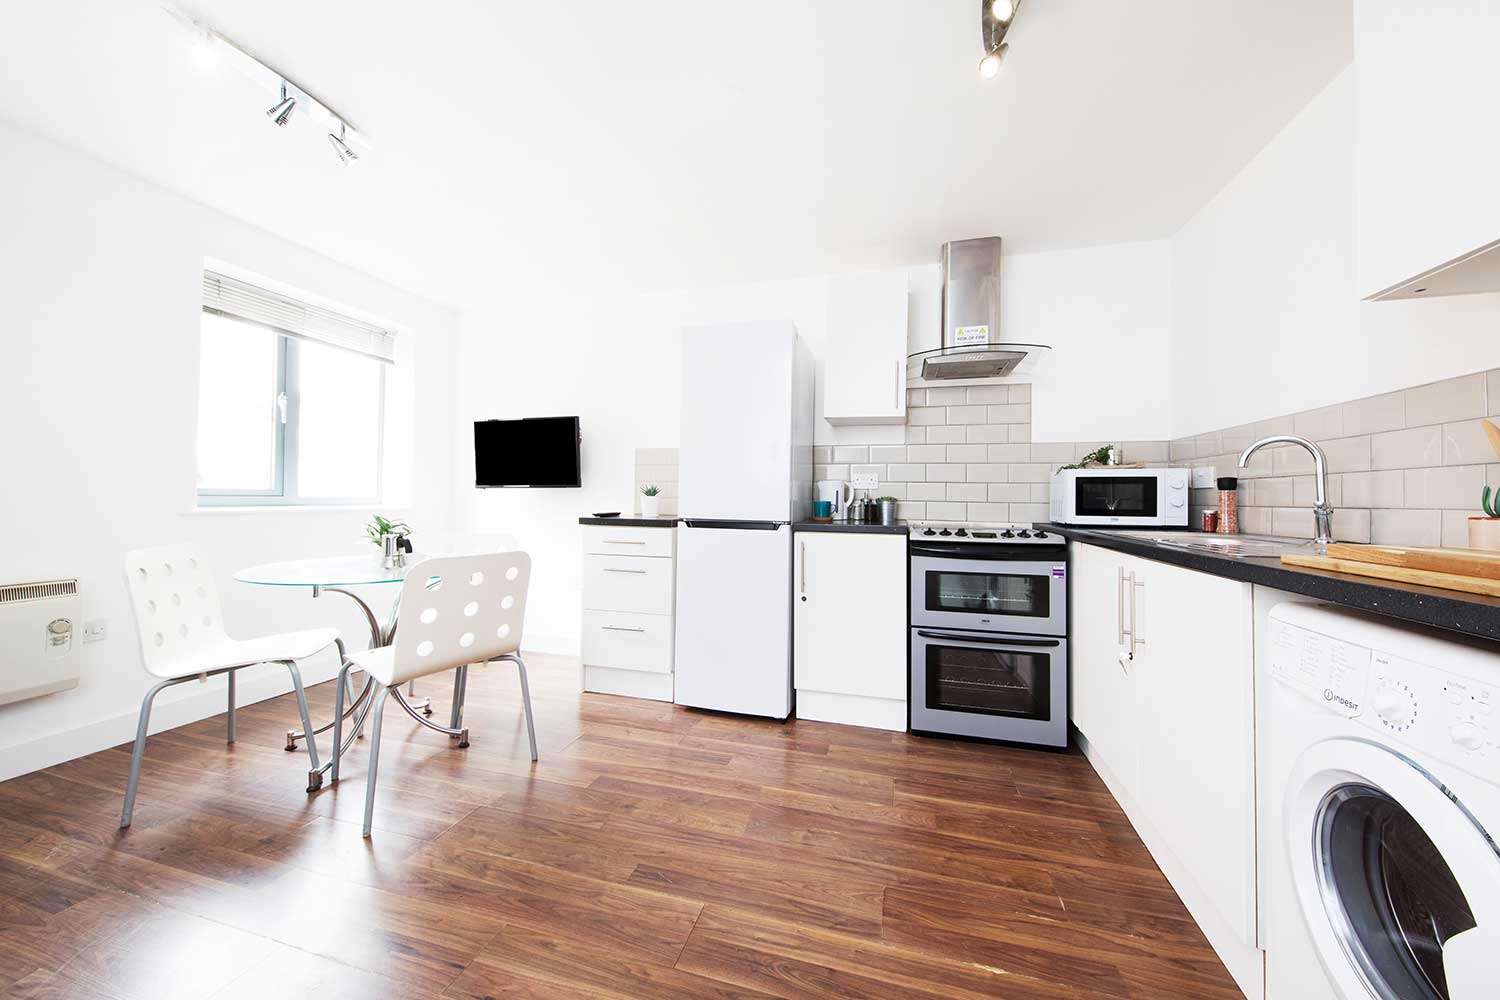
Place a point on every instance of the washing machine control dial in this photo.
(1395, 704)
(1466, 735)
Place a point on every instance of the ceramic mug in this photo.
(822, 508)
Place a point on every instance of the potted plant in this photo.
(1484, 532)
(886, 506)
(392, 537)
(650, 500)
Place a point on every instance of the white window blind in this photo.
(233, 297)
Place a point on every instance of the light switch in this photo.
(95, 630)
(1205, 477)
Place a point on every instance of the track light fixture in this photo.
(281, 113)
(995, 19)
(346, 155)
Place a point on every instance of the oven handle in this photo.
(995, 641)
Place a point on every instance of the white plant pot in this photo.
(1484, 533)
(650, 506)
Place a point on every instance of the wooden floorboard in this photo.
(652, 852)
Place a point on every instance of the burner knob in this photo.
(1007, 533)
(960, 533)
(929, 531)
(1023, 533)
(945, 531)
(1039, 534)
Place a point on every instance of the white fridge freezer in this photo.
(745, 474)
(734, 618)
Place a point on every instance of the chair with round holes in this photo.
(181, 630)
(458, 610)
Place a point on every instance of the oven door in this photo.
(1000, 595)
(999, 687)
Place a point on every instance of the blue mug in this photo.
(822, 508)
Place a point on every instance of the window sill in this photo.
(227, 509)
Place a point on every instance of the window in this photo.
(291, 400)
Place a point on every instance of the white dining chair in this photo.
(458, 610)
(181, 630)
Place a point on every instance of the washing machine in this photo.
(1380, 811)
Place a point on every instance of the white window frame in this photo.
(294, 322)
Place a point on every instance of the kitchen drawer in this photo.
(627, 641)
(628, 541)
(627, 583)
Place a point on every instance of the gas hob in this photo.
(966, 531)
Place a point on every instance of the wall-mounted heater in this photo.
(40, 633)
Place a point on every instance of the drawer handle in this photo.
(615, 569)
(623, 541)
(622, 628)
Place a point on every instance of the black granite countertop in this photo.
(853, 527)
(1471, 614)
(632, 522)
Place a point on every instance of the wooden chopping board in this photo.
(1461, 562)
(1402, 574)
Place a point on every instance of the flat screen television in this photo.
(536, 451)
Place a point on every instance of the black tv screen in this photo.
(537, 451)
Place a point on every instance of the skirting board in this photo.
(630, 683)
(203, 702)
(852, 710)
(1246, 964)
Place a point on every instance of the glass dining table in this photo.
(336, 575)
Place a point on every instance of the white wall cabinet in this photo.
(1427, 147)
(627, 634)
(1164, 696)
(849, 628)
(864, 367)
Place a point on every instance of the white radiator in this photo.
(40, 633)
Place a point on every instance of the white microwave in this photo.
(1123, 498)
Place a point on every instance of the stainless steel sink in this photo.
(1237, 546)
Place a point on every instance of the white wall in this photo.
(1266, 313)
(612, 357)
(100, 277)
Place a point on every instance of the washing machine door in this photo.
(1398, 882)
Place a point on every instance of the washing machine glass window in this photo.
(1393, 900)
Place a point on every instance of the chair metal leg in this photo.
(140, 749)
(340, 688)
(525, 700)
(315, 773)
(460, 686)
(230, 725)
(380, 699)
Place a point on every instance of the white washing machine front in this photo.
(1388, 815)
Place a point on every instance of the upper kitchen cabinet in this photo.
(1428, 147)
(864, 374)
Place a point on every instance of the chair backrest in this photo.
(176, 604)
(460, 609)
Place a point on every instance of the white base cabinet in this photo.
(627, 635)
(849, 628)
(1163, 695)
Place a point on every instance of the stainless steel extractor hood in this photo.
(969, 271)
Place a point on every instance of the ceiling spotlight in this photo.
(346, 155)
(989, 66)
(1003, 10)
(282, 112)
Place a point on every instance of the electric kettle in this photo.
(838, 494)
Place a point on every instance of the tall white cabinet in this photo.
(849, 627)
(1163, 695)
(628, 608)
(864, 364)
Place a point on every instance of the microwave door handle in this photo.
(988, 640)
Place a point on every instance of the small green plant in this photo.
(1490, 501)
(650, 491)
(885, 499)
(379, 527)
(1099, 456)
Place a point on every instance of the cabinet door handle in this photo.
(622, 628)
(1136, 639)
(1122, 632)
(622, 541)
(613, 569)
(802, 571)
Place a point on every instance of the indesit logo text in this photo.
(1328, 695)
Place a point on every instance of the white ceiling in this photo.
(677, 142)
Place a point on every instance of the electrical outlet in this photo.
(1205, 477)
(865, 481)
(95, 630)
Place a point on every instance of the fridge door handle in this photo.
(900, 381)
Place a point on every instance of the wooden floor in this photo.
(652, 852)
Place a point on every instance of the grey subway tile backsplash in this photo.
(1451, 399)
